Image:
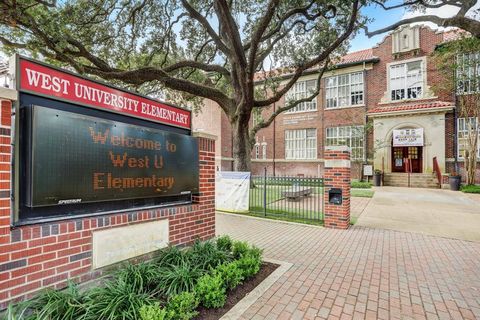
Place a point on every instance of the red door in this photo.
(400, 154)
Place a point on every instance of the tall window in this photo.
(257, 150)
(301, 144)
(344, 90)
(351, 136)
(256, 117)
(468, 73)
(406, 80)
(264, 150)
(463, 128)
(301, 90)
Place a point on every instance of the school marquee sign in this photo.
(90, 147)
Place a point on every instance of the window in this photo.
(406, 80)
(468, 73)
(256, 117)
(351, 136)
(264, 150)
(344, 90)
(257, 150)
(463, 128)
(301, 144)
(301, 90)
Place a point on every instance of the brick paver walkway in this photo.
(362, 273)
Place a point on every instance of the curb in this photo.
(242, 306)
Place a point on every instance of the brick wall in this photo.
(46, 255)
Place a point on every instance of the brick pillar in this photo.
(206, 196)
(337, 176)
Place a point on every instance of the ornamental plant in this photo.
(211, 291)
(182, 306)
(231, 274)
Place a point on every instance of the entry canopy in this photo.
(408, 138)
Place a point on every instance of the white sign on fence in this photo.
(408, 138)
(232, 191)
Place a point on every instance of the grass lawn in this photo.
(365, 193)
(470, 188)
(306, 210)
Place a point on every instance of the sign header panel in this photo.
(39, 79)
(408, 138)
(82, 159)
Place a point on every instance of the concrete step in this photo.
(418, 180)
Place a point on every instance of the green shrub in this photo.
(224, 243)
(231, 274)
(174, 279)
(17, 312)
(361, 184)
(249, 265)
(53, 304)
(142, 277)
(117, 300)
(472, 188)
(205, 255)
(153, 312)
(240, 248)
(182, 306)
(171, 256)
(211, 291)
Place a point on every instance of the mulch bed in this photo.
(237, 294)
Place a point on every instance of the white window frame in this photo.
(301, 144)
(257, 150)
(398, 71)
(301, 90)
(350, 87)
(264, 150)
(345, 135)
(463, 130)
(468, 73)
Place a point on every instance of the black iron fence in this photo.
(287, 198)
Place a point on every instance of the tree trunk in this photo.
(242, 146)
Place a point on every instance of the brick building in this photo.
(373, 101)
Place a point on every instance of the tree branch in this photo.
(459, 20)
(290, 105)
(320, 58)
(470, 25)
(204, 22)
(258, 34)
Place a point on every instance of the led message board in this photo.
(81, 159)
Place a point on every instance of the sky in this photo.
(381, 18)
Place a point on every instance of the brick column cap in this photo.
(8, 94)
(203, 134)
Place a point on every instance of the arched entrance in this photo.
(407, 145)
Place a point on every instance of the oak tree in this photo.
(190, 50)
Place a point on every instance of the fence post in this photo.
(337, 178)
(265, 191)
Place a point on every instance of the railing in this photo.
(436, 169)
(287, 198)
(408, 169)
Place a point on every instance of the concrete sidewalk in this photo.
(361, 273)
(437, 212)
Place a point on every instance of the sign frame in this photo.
(79, 107)
(419, 135)
(18, 86)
